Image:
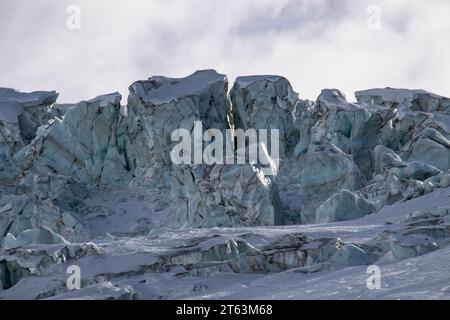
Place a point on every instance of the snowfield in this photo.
(126, 262)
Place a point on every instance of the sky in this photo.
(346, 44)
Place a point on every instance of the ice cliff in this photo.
(94, 180)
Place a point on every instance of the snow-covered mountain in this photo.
(92, 185)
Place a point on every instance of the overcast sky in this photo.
(316, 44)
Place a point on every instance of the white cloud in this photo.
(315, 44)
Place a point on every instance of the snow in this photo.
(424, 277)
(176, 88)
(334, 99)
(127, 213)
(247, 80)
(125, 260)
(104, 100)
(28, 99)
(12, 102)
(394, 94)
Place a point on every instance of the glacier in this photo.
(92, 185)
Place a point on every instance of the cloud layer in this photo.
(316, 44)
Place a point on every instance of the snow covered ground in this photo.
(131, 266)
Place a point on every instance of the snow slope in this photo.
(127, 266)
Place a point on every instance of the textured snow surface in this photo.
(28, 99)
(247, 80)
(394, 94)
(126, 262)
(169, 89)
